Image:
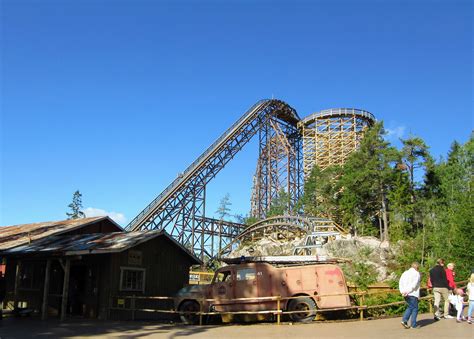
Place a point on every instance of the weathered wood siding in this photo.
(166, 271)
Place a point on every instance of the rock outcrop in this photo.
(368, 250)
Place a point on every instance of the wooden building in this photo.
(75, 272)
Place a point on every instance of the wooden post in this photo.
(132, 306)
(67, 269)
(109, 307)
(44, 307)
(200, 313)
(361, 310)
(17, 284)
(430, 302)
(278, 309)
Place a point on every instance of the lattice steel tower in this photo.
(329, 136)
(279, 166)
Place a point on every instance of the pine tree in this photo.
(453, 235)
(369, 175)
(415, 156)
(223, 210)
(321, 192)
(76, 207)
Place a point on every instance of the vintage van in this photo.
(237, 288)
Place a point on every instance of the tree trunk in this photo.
(384, 216)
(380, 227)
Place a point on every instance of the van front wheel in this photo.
(304, 309)
(189, 307)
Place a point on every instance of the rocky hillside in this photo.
(374, 255)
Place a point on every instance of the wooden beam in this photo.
(17, 284)
(67, 269)
(44, 307)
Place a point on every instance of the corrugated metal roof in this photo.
(12, 236)
(95, 243)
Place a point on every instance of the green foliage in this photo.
(452, 233)
(246, 219)
(361, 274)
(359, 271)
(76, 207)
(280, 205)
(388, 298)
(250, 220)
(322, 193)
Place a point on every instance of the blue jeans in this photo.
(470, 309)
(411, 311)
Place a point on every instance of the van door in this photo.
(266, 278)
(223, 290)
(246, 287)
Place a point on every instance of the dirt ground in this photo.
(384, 328)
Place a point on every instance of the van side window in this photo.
(246, 274)
(223, 276)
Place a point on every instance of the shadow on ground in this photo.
(425, 322)
(28, 328)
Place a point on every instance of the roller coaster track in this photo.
(285, 226)
(180, 208)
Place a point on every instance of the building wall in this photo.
(166, 271)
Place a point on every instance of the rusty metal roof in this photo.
(85, 244)
(13, 236)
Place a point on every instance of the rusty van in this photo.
(319, 286)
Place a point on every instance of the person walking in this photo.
(440, 290)
(470, 293)
(450, 274)
(457, 300)
(409, 286)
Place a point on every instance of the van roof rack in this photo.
(286, 259)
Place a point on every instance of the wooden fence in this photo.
(120, 303)
(128, 303)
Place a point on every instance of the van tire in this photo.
(306, 305)
(189, 306)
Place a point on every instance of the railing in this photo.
(337, 112)
(359, 306)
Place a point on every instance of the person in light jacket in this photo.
(470, 291)
(409, 286)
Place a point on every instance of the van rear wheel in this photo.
(304, 308)
(189, 306)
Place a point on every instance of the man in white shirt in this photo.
(409, 286)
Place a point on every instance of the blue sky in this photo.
(115, 98)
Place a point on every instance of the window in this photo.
(246, 274)
(223, 276)
(132, 279)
